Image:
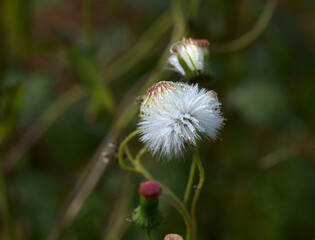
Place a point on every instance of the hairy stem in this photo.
(190, 182)
(196, 159)
(147, 232)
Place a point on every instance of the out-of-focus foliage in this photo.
(260, 178)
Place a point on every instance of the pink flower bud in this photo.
(150, 189)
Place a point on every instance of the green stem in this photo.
(129, 155)
(121, 152)
(140, 154)
(147, 231)
(190, 182)
(196, 158)
(4, 206)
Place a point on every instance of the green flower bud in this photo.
(147, 215)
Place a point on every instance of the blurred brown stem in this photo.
(96, 166)
(42, 124)
(64, 102)
(116, 225)
(84, 186)
(252, 34)
(87, 14)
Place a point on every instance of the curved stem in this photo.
(190, 182)
(147, 231)
(252, 34)
(128, 154)
(121, 151)
(196, 159)
(140, 154)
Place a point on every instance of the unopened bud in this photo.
(147, 215)
(150, 189)
(190, 57)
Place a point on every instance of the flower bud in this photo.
(147, 215)
(173, 236)
(190, 57)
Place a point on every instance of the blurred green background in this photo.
(70, 75)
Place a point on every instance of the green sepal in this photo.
(147, 215)
(206, 63)
(188, 72)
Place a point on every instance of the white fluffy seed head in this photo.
(190, 57)
(173, 115)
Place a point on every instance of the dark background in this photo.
(70, 75)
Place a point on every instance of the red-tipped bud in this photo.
(150, 189)
(147, 215)
(159, 87)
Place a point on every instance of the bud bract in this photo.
(147, 215)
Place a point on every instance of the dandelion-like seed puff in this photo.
(174, 114)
